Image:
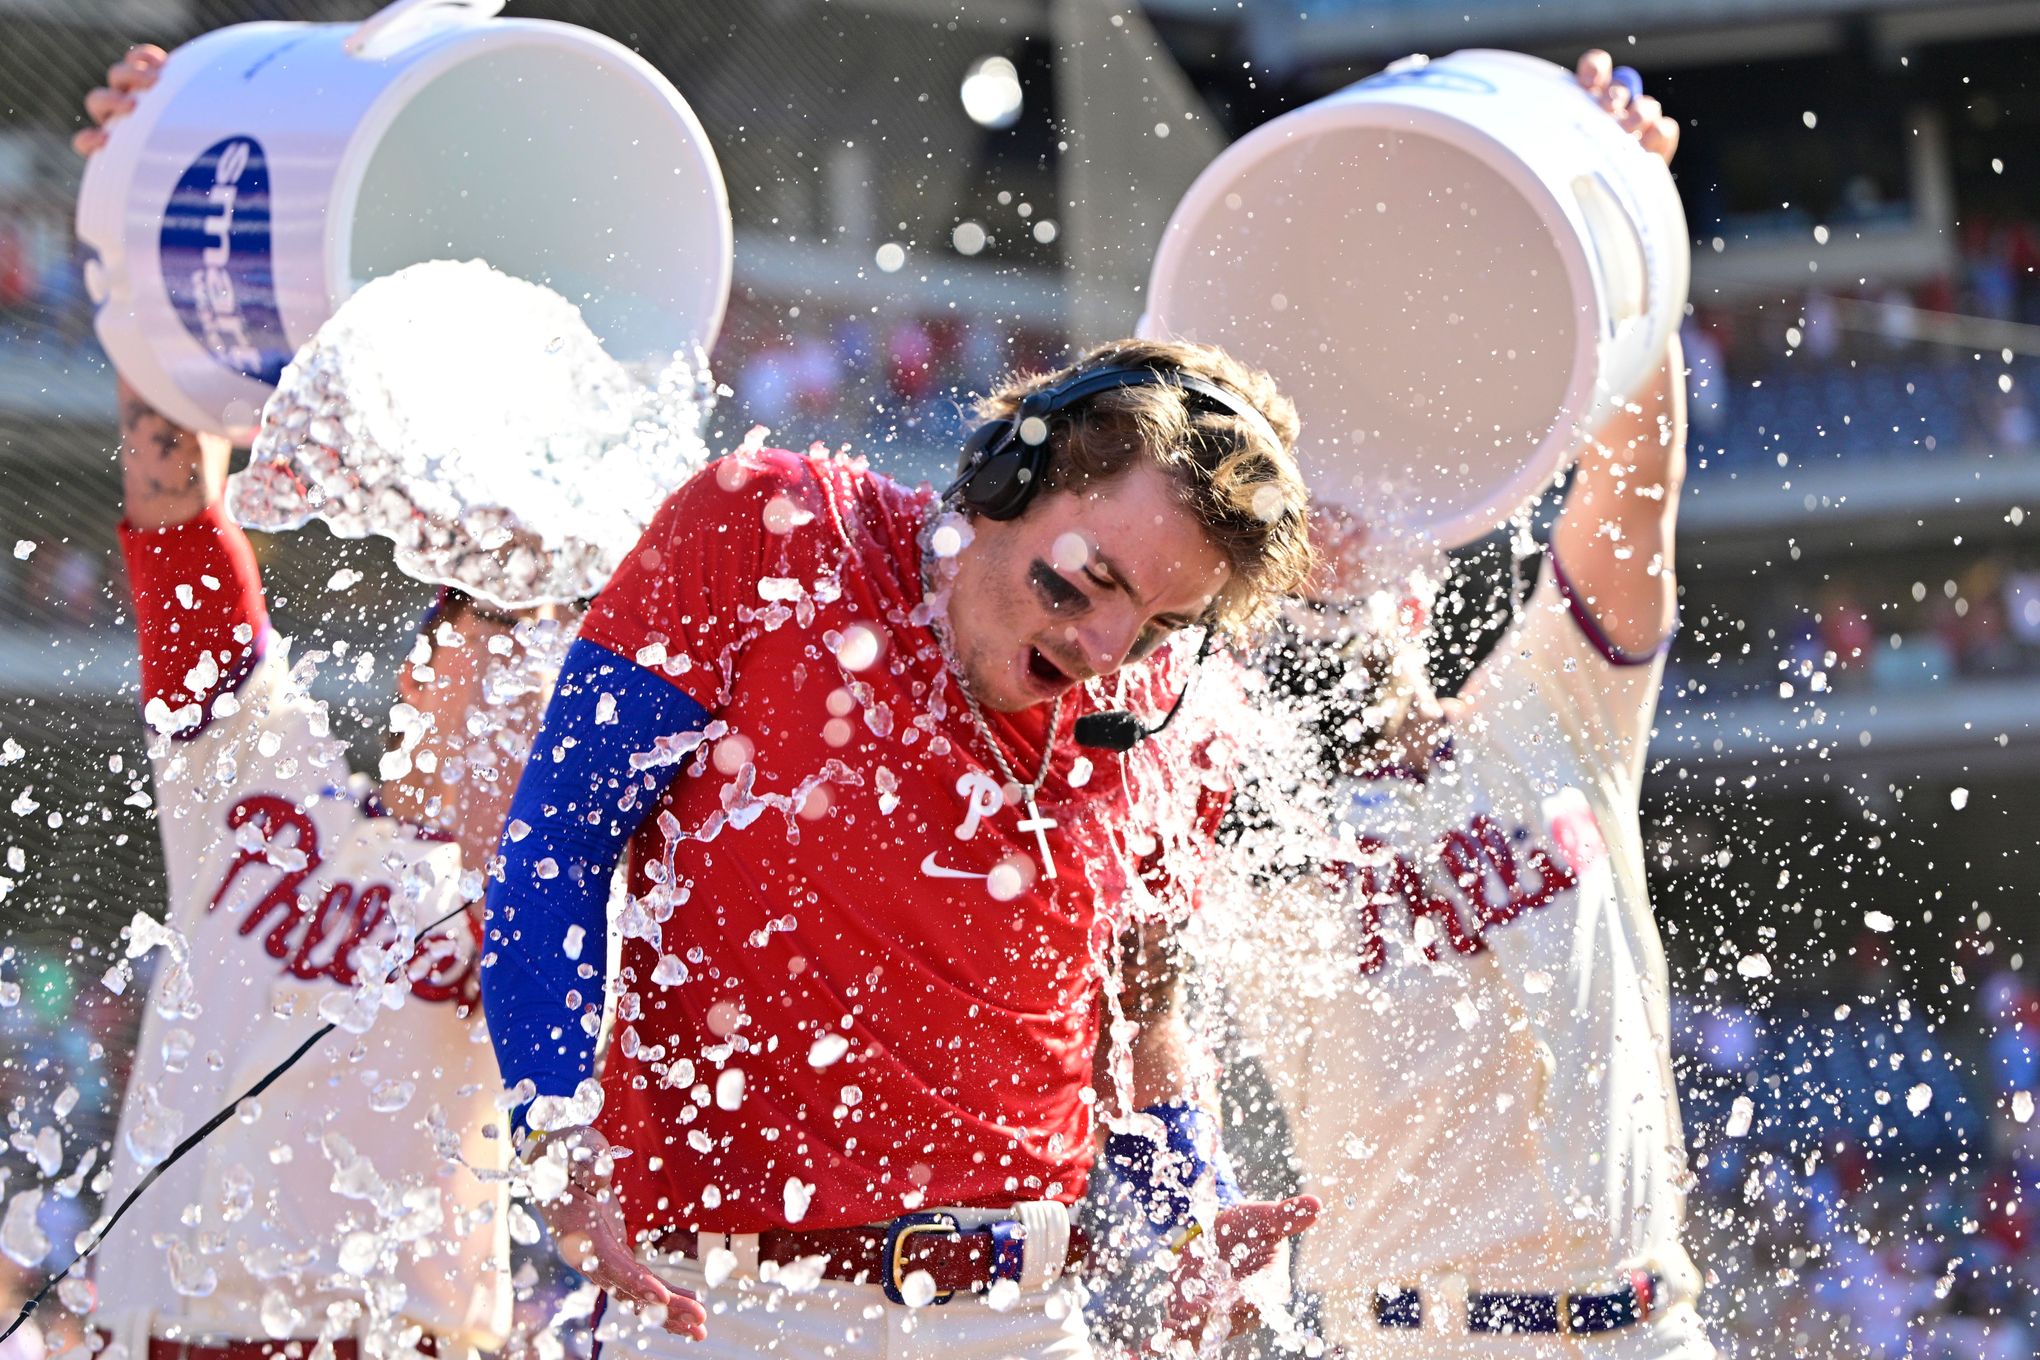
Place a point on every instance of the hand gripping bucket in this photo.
(1452, 268)
(277, 166)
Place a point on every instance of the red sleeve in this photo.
(199, 613)
(685, 598)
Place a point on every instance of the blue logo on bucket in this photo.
(215, 249)
(1459, 82)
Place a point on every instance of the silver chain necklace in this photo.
(1034, 821)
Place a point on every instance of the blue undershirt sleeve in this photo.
(576, 807)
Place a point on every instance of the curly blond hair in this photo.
(1245, 490)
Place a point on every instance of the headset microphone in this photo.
(1114, 729)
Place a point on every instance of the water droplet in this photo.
(917, 1289)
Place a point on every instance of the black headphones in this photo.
(1004, 459)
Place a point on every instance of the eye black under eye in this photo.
(1055, 589)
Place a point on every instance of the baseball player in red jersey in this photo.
(875, 882)
(349, 1208)
(1475, 1055)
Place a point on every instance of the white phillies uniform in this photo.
(279, 875)
(1482, 1090)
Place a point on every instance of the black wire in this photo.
(192, 1141)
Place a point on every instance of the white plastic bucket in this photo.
(277, 166)
(1451, 267)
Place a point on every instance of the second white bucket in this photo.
(275, 167)
(1451, 267)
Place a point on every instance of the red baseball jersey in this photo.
(849, 987)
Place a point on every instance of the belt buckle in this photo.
(898, 1234)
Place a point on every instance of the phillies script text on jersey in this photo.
(279, 852)
(1484, 868)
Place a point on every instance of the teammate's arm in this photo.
(577, 805)
(168, 474)
(1614, 539)
(199, 612)
(1169, 1083)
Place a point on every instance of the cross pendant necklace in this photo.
(1039, 825)
(1034, 821)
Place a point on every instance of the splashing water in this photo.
(474, 420)
(21, 1237)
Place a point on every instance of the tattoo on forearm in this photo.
(160, 459)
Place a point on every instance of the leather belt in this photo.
(344, 1348)
(958, 1260)
(1569, 1314)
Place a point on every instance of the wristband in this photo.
(1162, 1178)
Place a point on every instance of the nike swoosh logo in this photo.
(934, 870)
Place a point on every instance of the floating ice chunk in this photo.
(729, 1089)
(799, 1194)
(1918, 1098)
(717, 1266)
(280, 1320)
(358, 1254)
(1958, 799)
(1753, 966)
(1740, 1114)
(45, 1149)
(155, 1129)
(524, 1229)
(1879, 921)
(189, 1274)
(2022, 1106)
(827, 1050)
(21, 1237)
(391, 1096)
(567, 1112)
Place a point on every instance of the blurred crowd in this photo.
(899, 384)
(1866, 1172)
(1874, 626)
(1852, 372)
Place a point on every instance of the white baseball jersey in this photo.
(1482, 1091)
(283, 884)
